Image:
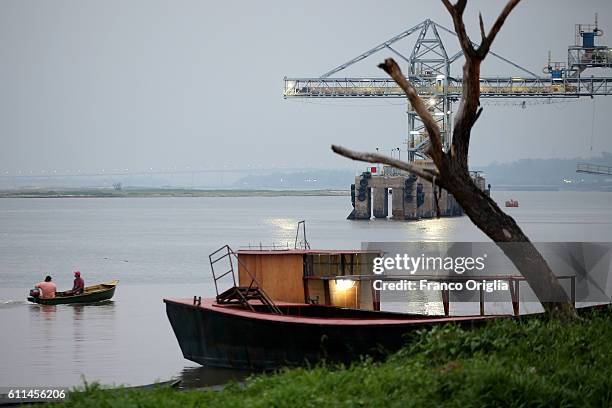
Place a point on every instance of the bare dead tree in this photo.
(452, 172)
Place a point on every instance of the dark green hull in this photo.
(93, 297)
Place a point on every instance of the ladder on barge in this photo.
(246, 296)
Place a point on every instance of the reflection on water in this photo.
(47, 311)
(198, 377)
(61, 338)
(126, 341)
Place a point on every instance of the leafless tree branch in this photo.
(485, 46)
(453, 174)
(470, 101)
(436, 151)
(483, 36)
(456, 12)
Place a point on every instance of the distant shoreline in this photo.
(170, 192)
(162, 192)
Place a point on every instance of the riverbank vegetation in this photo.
(531, 362)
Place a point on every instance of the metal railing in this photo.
(297, 244)
(513, 285)
(253, 292)
(304, 243)
(271, 247)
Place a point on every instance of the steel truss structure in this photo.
(430, 73)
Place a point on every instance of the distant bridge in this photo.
(220, 170)
(593, 169)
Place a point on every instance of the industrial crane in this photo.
(429, 69)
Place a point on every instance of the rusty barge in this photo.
(228, 335)
(292, 307)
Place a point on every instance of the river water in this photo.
(158, 247)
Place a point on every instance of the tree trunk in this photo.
(452, 167)
(509, 237)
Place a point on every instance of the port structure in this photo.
(429, 70)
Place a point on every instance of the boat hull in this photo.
(220, 337)
(98, 296)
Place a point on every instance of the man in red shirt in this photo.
(79, 284)
(47, 288)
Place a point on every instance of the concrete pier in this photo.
(363, 199)
(397, 204)
(428, 208)
(381, 202)
(412, 198)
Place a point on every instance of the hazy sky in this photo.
(138, 84)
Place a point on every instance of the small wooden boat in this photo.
(512, 203)
(91, 294)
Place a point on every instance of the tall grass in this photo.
(517, 363)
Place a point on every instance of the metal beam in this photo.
(476, 45)
(379, 47)
(491, 87)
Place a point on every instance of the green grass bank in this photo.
(531, 362)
